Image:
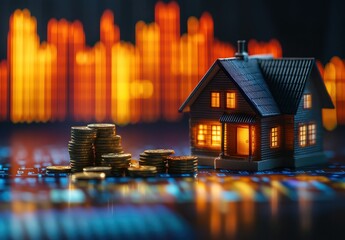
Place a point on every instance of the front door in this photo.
(243, 140)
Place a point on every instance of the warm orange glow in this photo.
(3, 91)
(307, 101)
(329, 116)
(340, 87)
(147, 41)
(253, 139)
(311, 133)
(302, 135)
(273, 47)
(215, 99)
(162, 69)
(243, 140)
(201, 135)
(274, 136)
(230, 100)
(167, 17)
(100, 82)
(215, 135)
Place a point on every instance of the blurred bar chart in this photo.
(145, 81)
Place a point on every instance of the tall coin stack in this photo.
(156, 158)
(106, 141)
(80, 148)
(182, 164)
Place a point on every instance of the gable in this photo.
(248, 79)
(287, 79)
(222, 84)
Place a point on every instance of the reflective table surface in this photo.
(214, 204)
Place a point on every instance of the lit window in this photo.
(307, 101)
(274, 137)
(302, 135)
(215, 99)
(202, 132)
(216, 135)
(312, 134)
(230, 99)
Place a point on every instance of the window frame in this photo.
(311, 133)
(303, 138)
(234, 100)
(307, 101)
(212, 97)
(275, 143)
(202, 130)
(218, 130)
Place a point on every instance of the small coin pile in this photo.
(100, 169)
(58, 169)
(106, 140)
(182, 164)
(80, 148)
(156, 158)
(142, 171)
(117, 161)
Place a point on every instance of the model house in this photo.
(256, 113)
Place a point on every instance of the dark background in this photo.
(305, 28)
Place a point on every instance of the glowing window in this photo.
(231, 100)
(216, 135)
(312, 134)
(215, 99)
(307, 101)
(274, 137)
(201, 136)
(302, 135)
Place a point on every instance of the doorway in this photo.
(243, 140)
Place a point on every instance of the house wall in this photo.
(201, 111)
(201, 108)
(268, 153)
(307, 116)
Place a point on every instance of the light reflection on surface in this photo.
(215, 204)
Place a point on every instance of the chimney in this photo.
(241, 52)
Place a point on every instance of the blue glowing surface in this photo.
(303, 203)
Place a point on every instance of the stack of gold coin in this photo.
(80, 148)
(156, 158)
(142, 171)
(106, 141)
(117, 161)
(182, 164)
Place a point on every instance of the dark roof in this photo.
(286, 79)
(237, 118)
(247, 75)
(271, 86)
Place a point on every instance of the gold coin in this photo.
(101, 125)
(117, 155)
(160, 151)
(142, 168)
(88, 176)
(181, 158)
(59, 169)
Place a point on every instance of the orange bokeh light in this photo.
(113, 80)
